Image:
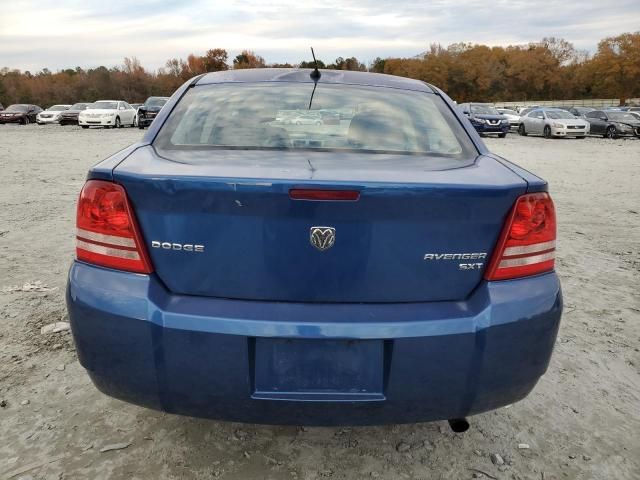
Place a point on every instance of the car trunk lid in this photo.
(419, 230)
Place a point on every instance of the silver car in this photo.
(552, 122)
(512, 116)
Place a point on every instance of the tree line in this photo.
(552, 69)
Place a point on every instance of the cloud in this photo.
(66, 33)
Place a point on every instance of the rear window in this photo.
(291, 116)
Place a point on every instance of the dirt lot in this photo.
(581, 422)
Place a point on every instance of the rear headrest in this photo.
(373, 131)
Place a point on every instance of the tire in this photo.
(611, 132)
(117, 123)
(521, 130)
(502, 135)
(547, 132)
(580, 138)
(84, 126)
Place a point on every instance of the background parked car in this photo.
(553, 122)
(107, 114)
(524, 110)
(136, 107)
(512, 116)
(486, 119)
(51, 114)
(613, 124)
(635, 114)
(579, 112)
(330, 117)
(307, 119)
(20, 113)
(148, 111)
(70, 116)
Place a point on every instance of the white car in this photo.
(553, 122)
(108, 114)
(512, 116)
(51, 114)
(521, 110)
(306, 119)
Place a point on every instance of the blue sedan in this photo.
(381, 268)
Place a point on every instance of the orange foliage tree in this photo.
(549, 69)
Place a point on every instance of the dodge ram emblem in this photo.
(322, 238)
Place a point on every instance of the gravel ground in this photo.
(581, 422)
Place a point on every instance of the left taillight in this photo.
(107, 233)
(527, 245)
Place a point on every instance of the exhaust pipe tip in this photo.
(458, 425)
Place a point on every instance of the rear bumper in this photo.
(198, 356)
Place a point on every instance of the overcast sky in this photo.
(66, 33)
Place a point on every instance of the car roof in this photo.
(302, 75)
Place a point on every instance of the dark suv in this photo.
(148, 111)
(486, 119)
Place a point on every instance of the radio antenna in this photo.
(315, 75)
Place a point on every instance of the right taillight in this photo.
(527, 245)
(107, 233)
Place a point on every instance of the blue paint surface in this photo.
(196, 356)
